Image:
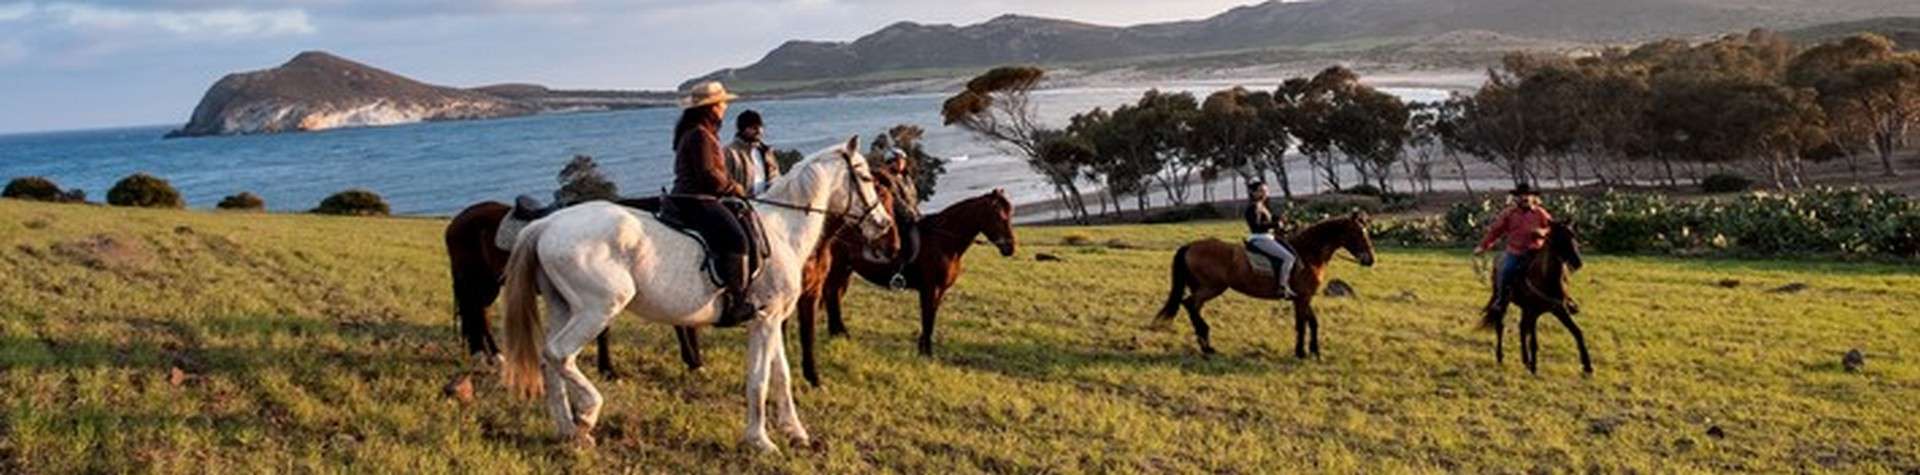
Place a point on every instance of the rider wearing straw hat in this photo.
(1524, 226)
(700, 181)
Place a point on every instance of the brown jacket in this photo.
(699, 166)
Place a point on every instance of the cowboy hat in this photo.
(706, 94)
(1524, 189)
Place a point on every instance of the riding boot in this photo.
(739, 309)
(1282, 278)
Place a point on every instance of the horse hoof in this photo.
(584, 441)
(762, 445)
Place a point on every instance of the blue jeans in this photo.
(1512, 268)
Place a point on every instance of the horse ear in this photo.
(853, 144)
(1360, 216)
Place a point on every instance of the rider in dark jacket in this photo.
(700, 180)
(1264, 235)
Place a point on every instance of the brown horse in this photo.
(1209, 267)
(944, 240)
(1542, 290)
(477, 266)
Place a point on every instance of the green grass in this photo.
(321, 344)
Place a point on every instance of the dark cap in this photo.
(750, 118)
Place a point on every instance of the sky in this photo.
(94, 64)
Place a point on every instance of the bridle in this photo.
(867, 208)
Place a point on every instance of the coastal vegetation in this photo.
(144, 191)
(167, 341)
(35, 188)
(1659, 114)
(242, 201)
(354, 202)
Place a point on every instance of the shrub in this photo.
(354, 202)
(33, 188)
(1363, 189)
(1725, 183)
(243, 201)
(1185, 214)
(144, 191)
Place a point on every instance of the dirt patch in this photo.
(105, 252)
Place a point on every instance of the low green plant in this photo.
(354, 202)
(142, 190)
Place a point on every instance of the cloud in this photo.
(15, 11)
(222, 22)
(12, 52)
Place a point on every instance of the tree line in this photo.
(1656, 114)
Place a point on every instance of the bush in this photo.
(354, 202)
(1184, 214)
(243, 201)
(1819, 221)
(33, 188)
(144, 191)
(1725, 183)
(1363, 189)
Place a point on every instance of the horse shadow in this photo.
(1035, 361)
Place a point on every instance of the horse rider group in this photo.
(705, 172)
(707, 175)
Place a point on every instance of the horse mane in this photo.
(956, 210)
(802, 173)
(1317, 231)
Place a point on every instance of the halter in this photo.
(866, 209)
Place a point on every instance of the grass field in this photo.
(194, 342)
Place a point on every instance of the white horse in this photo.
(594, 260)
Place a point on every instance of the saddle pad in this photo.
(509, 233)
(1260, 263)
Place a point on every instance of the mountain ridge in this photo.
(1013, 38)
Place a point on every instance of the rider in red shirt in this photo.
(1524, 226)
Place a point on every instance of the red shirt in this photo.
(1525, 230)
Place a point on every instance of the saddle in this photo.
(527, 209)
(1260, 261)
(666, 213)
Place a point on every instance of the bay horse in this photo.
(945, 238)
(594, 260)
(1209, 267)
(478, 267)
(1542, 290)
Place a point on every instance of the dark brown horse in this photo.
(477, 265)
(1209, 267)
(944, 240)
(1542, 290)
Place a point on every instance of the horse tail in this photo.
(1180, 276)
(1493, 318)
(521, 371)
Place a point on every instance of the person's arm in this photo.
(716, 165)
(1494, 233)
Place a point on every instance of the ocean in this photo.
(438, 168)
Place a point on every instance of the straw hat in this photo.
(706, 94)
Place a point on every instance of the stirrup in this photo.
(898, 282)
(735, 314)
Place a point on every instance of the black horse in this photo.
(1542, 290)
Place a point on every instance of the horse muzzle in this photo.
(1007, 247)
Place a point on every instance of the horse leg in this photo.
(561, 355)
(1195, 303)
(784, 412)
(807, 311)
(836, 290)
(1500, 343)
(558, 313)
(1313, 326)
(760, 344)
(1579, 339)
(603, 359)
(689, 339)
(1301, 309)
(929, 308)
(474, 294)
(1530, 341)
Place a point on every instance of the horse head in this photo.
(1564, 242)
(1356, 239)
(999, 223)
(838, 180)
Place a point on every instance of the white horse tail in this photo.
(521, 371)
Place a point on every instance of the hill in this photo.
(318, 91)
(909, 46)
(1904, 31)
(195, 342)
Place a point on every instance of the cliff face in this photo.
(319, 91)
